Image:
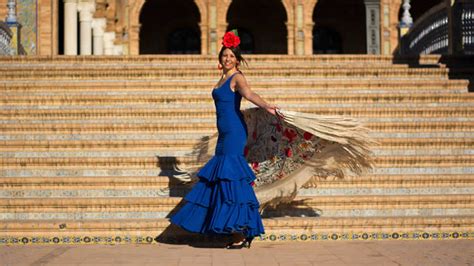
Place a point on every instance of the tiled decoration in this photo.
(120, 239)
(27, 17)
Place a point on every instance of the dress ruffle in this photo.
(223, 201)
(227, 167)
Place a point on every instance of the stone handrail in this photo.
(429, 34)
(5, 38)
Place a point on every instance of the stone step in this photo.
(173, 152)
(168, 162)
(139, 231)
(184, 86)
(211, 59)
(380, 170)
(195, 67)
(251, 63)
(293, 105)
(365, 184)
(201, 99)
(206, 93)
(104, 182)
(191, 113)
(195, 135)
(160, 207)
(187, 145)
(156, 120)
(140, 190)
(266, 93)
(164, 74)
(43, 127)
(116, 118)
(71, 205)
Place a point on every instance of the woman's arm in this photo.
(243, 88)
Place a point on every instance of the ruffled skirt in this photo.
(223, 201)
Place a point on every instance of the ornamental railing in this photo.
(5, 39)
(467, 27)
(431, 32)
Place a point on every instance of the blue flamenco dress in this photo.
(223, 201)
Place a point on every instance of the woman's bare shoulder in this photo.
(239, 77)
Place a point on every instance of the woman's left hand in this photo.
(272, 109)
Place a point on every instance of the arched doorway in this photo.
(170, 27)
(262, 25)
(339, 27)
(326, 41)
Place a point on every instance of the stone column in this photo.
(393, 26)
(299, 31)
(86, 10)
(118, 50)
(372, 14)
(290, 28)
(213, 29)
(109, 46)
(134, 40)
(70, 27)
(98, 29)
(204, 34)
(308, 38)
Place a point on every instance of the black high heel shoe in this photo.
(229, 245)
(247, 242)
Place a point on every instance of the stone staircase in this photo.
(89, 144)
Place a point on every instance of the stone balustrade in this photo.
(5, 38)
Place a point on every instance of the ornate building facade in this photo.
(294, 27)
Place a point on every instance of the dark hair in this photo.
(236, 51)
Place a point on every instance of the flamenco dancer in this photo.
(223, 201)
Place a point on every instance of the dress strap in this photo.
(231, 77)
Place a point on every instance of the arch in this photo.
(264, 20)
(165, 22)
(183, 41)
(326, 41)
(351, 27)
(247, 41)
(136, 8)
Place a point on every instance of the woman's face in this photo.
(228, 60)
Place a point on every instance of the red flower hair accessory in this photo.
(230, 39)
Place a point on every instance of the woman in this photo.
(223, 201)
